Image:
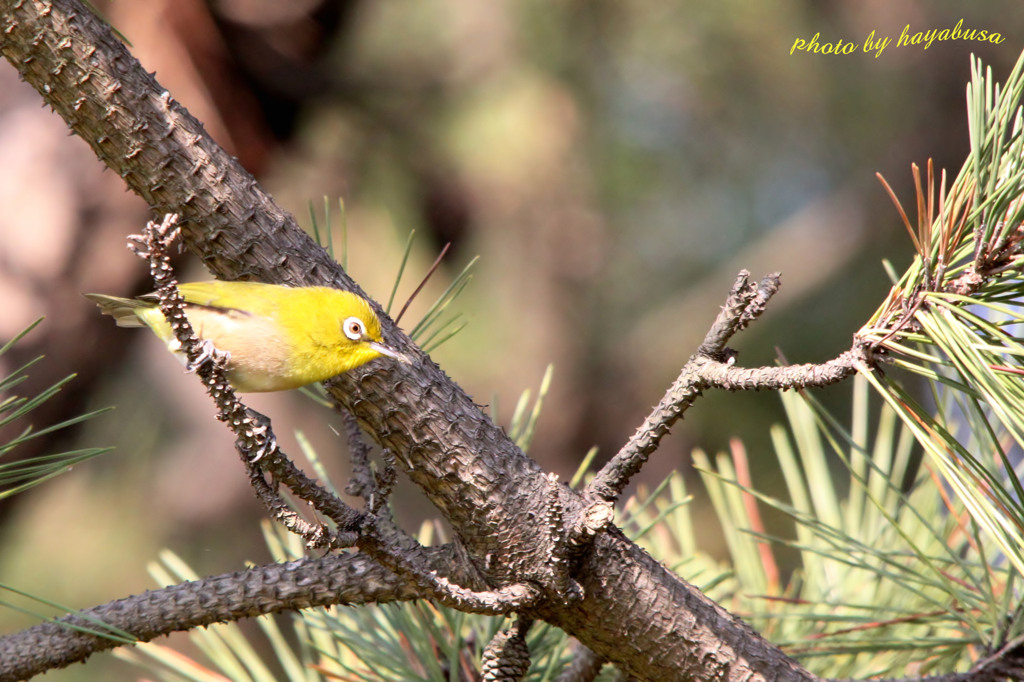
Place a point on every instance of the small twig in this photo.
(1008, 661)
(252, 428)
(613, 476)
(412, 564)
(711, 367)
(707, 370)
(315, 535)
(373, 488)
(385, 481)
(744, 304)
(506, 657)
(560, 561)
(360, 482)
(729, 377)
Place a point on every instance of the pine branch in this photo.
(337, 579)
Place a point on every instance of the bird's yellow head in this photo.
(362, 338)
(336, 332)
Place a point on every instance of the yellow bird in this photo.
(277, 337)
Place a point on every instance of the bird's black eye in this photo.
(353, 328)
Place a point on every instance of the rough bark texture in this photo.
(339, 579)
(658, 627)
(635, 612)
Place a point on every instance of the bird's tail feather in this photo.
(123, 310)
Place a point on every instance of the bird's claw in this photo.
(260, 435)
(208, 353)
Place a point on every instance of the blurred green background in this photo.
(614, 164)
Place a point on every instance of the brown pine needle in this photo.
(1010, 370)
(874, 625)
(903, 214)
(921, 206)
(426, 277)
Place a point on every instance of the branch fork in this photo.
(713, 366)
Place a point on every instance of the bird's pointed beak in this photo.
(390, 352)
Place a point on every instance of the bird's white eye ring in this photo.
(353, 328)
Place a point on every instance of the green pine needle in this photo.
(20, 475)
(401, 270)
(524, 419)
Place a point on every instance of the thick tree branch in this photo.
(351, 578)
